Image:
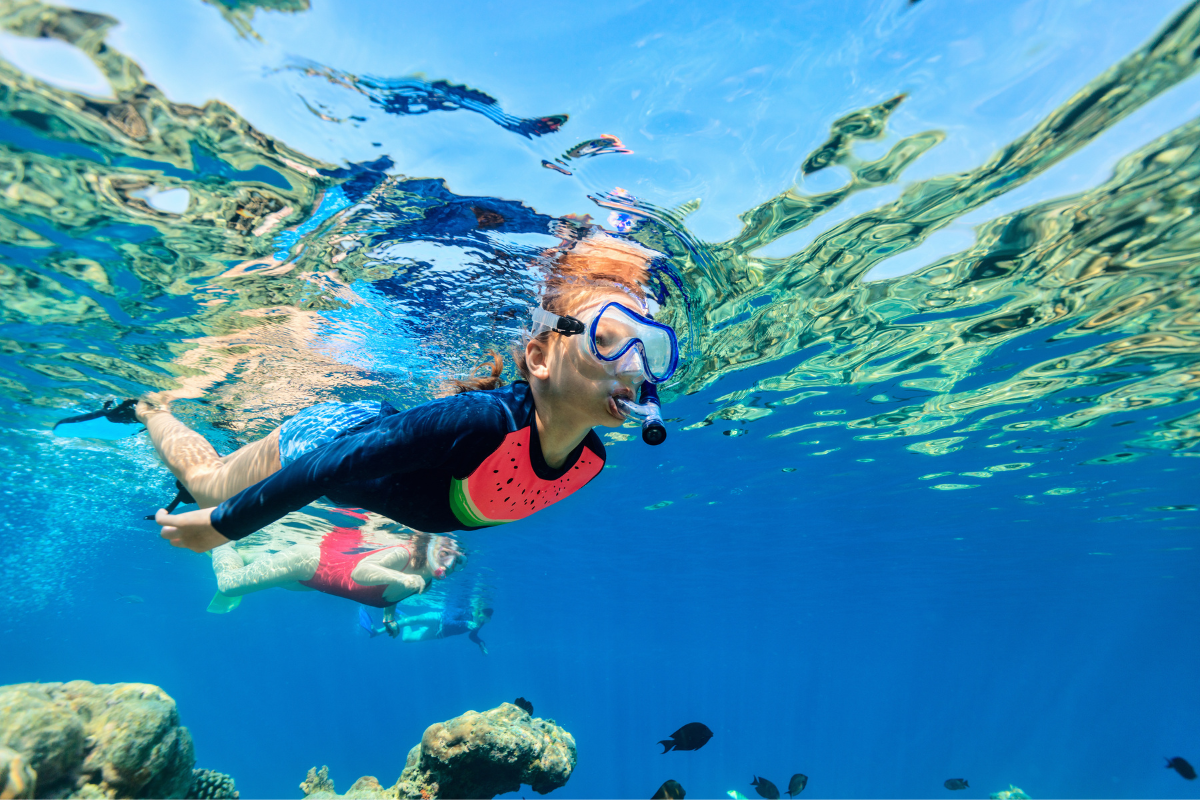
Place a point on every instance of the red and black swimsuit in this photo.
(459, 463)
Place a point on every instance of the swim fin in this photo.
(223, 604)
(366, 623)
(108, 423)
(182, 495)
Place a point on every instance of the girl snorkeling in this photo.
(487, 455)
(344, 563)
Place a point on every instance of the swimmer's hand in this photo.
(414, 583)
(191, 529)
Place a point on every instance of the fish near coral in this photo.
(796, 784)
(692, 736)
(1182, 767)
(670, 790)
(956, 783)
(765, 788)
(524, 705)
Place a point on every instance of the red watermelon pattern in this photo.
(504, 488)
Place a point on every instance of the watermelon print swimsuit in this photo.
(459, 463)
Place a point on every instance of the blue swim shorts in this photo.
(319, 425)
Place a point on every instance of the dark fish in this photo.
(1182, 767)
(692, 736)
(765, 788)
(796, 784)
(670, 790)
(956, 783)
(524, 705)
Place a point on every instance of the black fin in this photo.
(88, 417)
(124, 413)
(181, 496)
(667, 744)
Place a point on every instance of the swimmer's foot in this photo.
(123, 412)
(149, 405)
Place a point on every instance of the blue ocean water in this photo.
(970, 563)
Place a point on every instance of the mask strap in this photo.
(567, 326)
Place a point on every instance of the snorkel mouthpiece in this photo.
(653, 430)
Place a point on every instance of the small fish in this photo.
(956, 783)
(133, 599)
(670, 790)
(1182, 767)
(765, 788)
(736, 795)
(524, 705)
(692, 736)
(796, 784)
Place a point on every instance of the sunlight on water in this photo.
(232, 255)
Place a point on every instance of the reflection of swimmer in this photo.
(452, 620)
(437, 467)
(343, 565)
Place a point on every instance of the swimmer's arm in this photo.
(400, 584)
(421, 438)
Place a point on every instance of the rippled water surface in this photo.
(928, 505)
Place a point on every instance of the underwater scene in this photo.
(629, 400)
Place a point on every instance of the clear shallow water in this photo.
(931, 506)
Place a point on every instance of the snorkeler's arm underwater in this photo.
(450, 433)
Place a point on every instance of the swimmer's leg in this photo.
(235, 577)
(209, 477)
(419, 633)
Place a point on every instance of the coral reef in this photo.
(473, 755)
(94, 740)
(209, 784)
(16, 776)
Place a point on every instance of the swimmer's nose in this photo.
(629, 369)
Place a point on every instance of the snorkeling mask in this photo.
(620, 337)
(443, 559)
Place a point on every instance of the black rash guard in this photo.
(459, 463)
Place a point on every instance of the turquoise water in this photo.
(927, 508)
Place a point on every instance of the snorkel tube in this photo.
(653, 430)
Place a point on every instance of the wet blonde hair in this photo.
(580, 270)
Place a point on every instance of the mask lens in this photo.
(613, 332)
(619, 331)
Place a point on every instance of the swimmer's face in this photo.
(447, 557)
(582, 386)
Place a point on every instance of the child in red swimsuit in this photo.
(344, 565)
